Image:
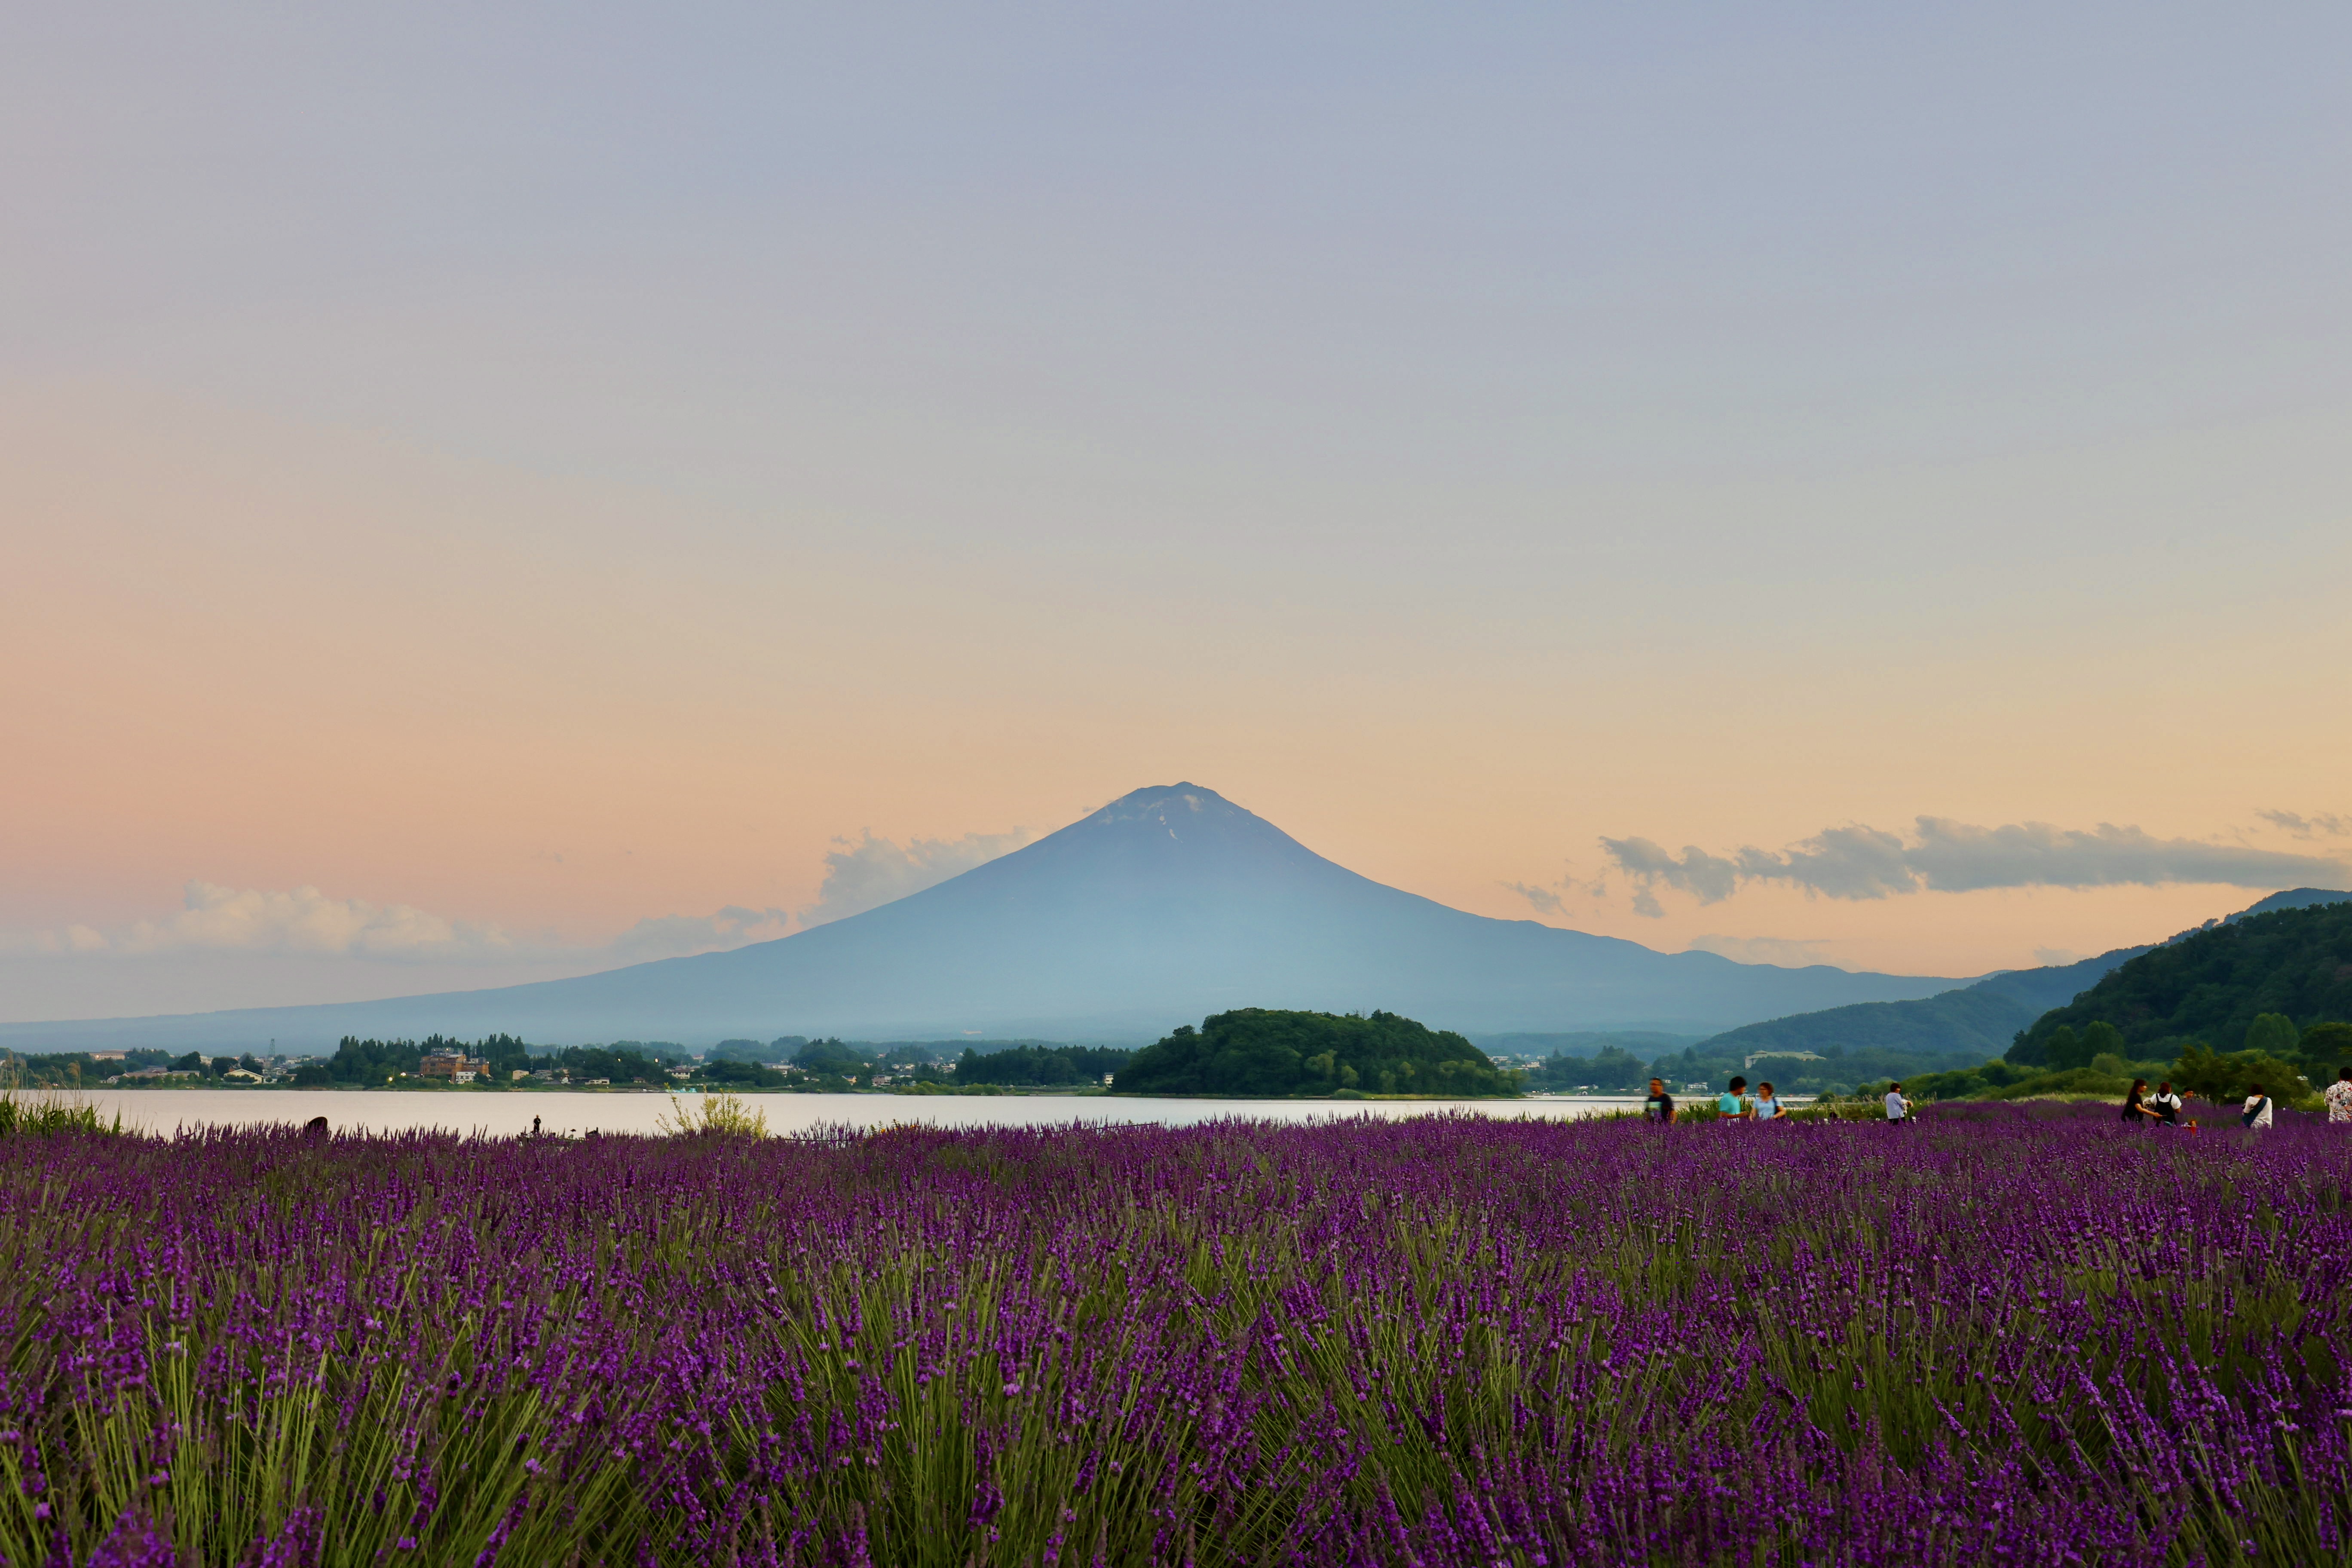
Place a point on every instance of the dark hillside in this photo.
(2213, 985)
(1970, 1023)
(1973, 1022)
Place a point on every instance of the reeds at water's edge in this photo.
(46, 1110)
(2022, 1332)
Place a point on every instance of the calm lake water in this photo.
(506, 1115)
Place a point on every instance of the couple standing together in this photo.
(1735, 1104)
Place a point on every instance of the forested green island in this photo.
(1266, 1054)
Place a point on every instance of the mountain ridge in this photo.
(1164, 906)
(1983, 1018)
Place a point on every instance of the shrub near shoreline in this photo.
(2021, 1334)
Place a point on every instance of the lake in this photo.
(506, 1115)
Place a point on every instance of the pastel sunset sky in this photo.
(488, 493)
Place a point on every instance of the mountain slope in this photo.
(1975, 1021)
(1979, 1021)
(2296, 959)
(1165, 906)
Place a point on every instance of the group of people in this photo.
(2163, 1107)
(1735, 1104)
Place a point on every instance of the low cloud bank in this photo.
(306, 922)
(873, 871)
(676, 936)
(1944, 855)
(215, 919)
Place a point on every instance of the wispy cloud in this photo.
(873, 871)
(1551, 899)
(1944, 855)
(1544, 901)
(2326, 824)
(1790, 951)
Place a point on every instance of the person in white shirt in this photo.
(2166, 1104)
(1897, 1107)
(2257, 1109)
(2339, 1099)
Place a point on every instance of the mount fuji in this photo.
(1164, 906)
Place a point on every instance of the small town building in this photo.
(455, 1065)
(1755, 1057)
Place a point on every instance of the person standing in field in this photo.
(1660, 1106)
(2135, 1106)
(1732, 1103)
(1897, 1107)
(1766, 1108)
(2166, 1103)
(2339, 1099)
(2256, 1112)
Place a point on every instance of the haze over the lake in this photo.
(492, 495)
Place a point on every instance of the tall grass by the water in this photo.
(2014, 1334)
(47, 1110)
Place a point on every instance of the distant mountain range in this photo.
(1165, 906)
(1975, 1021)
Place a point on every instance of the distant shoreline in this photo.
(975, 1092)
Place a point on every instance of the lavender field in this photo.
(2011, 1335)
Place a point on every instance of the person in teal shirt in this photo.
(1733, 1103)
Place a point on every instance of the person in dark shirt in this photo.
(1660, 1106)
(2135, 1106)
